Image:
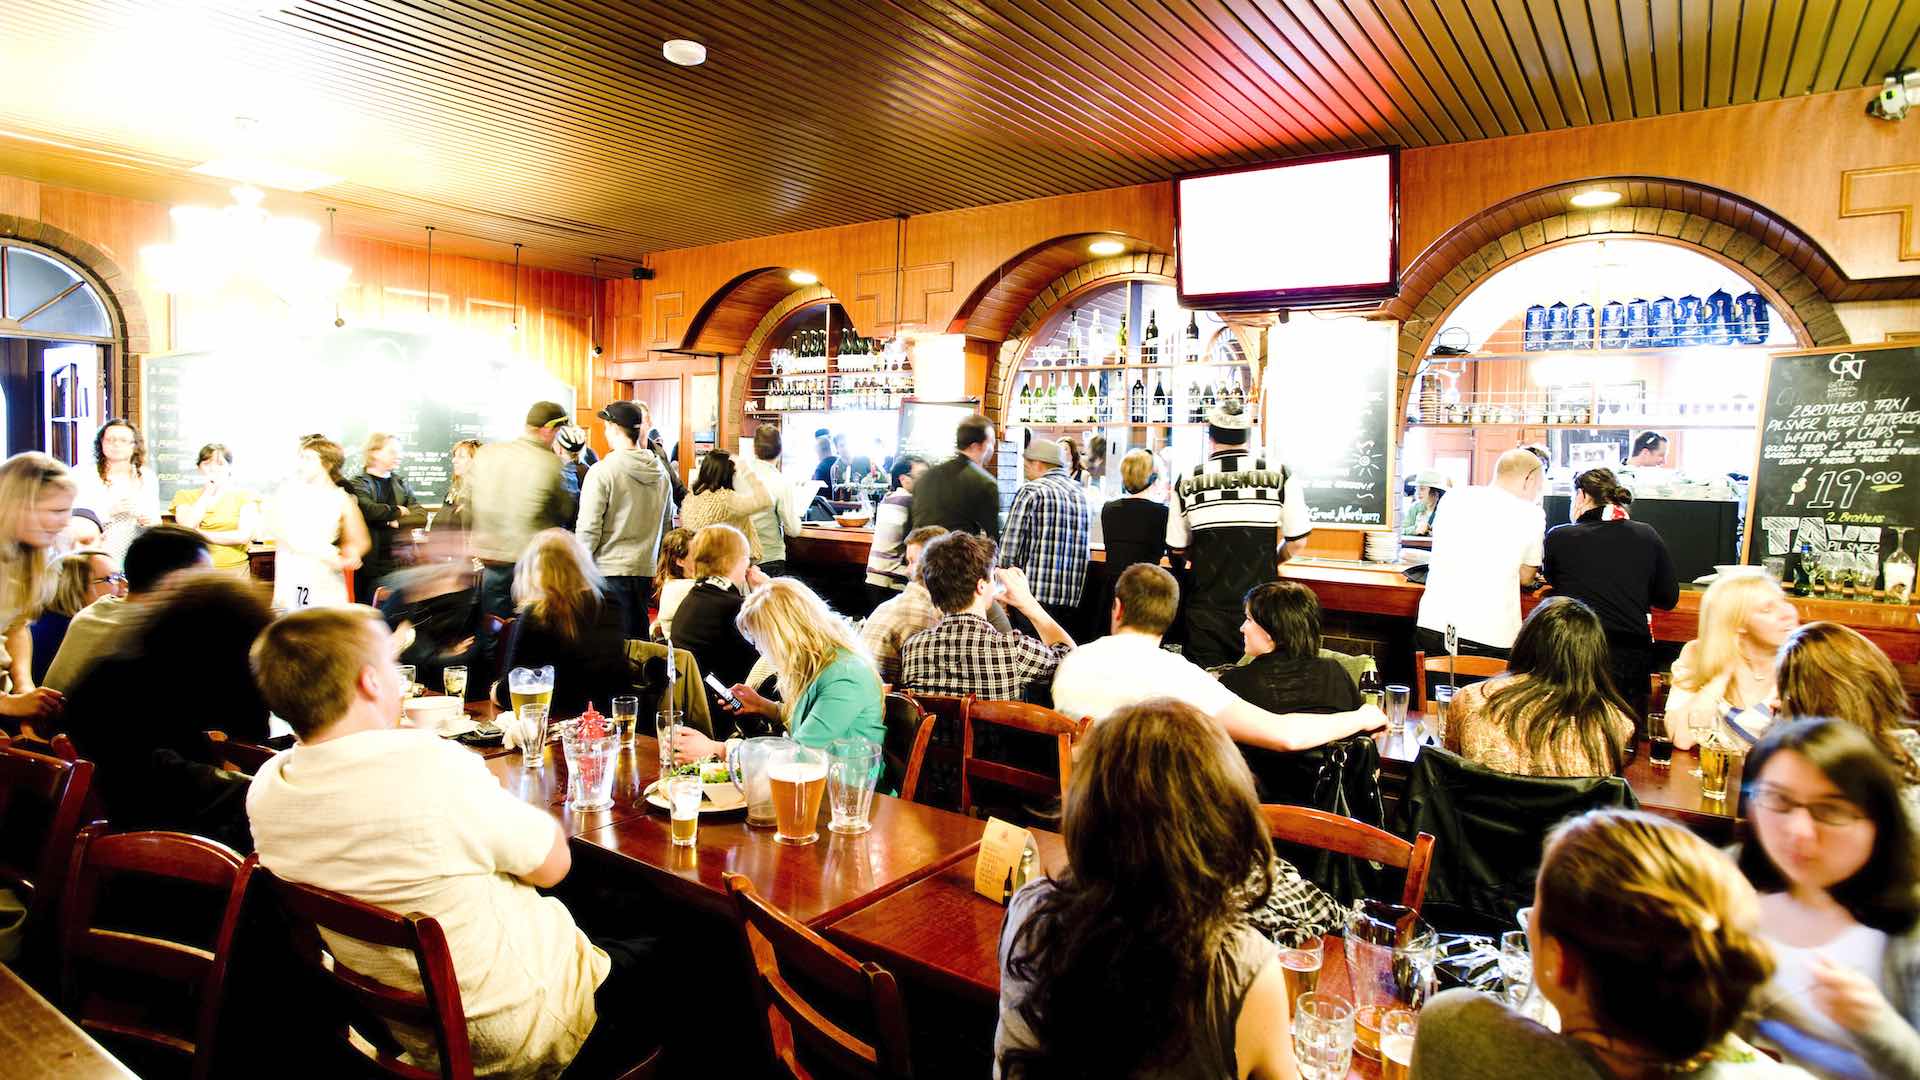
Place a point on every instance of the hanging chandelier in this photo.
(215, 249)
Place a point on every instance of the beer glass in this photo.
(683, 808)
(853, 771)
(626, 718)
(1516, 967)
(406, 679)
(532, 734)
(526, 685)
(454, 681)
(1718, 758)
(1396, 1044)
(665, 722)
(1300, 964)
(797, 778)
(1323, 1035)
(590, 766)
(1397, 711)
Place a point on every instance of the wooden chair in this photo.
(41, 798)
(1018, 716)
(939, 782)
(1475, 667)
(799, 1038)
(1330, 832)
(93, 809)
(95, 961)
(237, 755)
(908, 730)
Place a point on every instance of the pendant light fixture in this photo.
(429, 271)
(514, 326)
(333, 248)
(593, 321)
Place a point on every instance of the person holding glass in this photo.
(1834, 860)
(121, 490)
(1725, 677)
(226, 515)
(827, 686)
(1646, 940)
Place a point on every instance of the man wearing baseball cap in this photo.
(516, 492)
(626, 504)
(1047, 533)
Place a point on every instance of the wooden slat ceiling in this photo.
(557, 123)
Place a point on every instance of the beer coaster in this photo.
(721, 798)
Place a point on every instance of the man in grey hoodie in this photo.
(626, 504)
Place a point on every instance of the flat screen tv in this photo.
(1309, 232)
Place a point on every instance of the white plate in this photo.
(721, 798)
(460, 727)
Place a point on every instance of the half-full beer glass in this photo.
(797, 776)
(529, 685)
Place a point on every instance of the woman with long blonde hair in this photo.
(1725, 677)
(565, 617)
(1833, 671)
(828, 687)
(36, 500)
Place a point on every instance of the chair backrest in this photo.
(92, 958)
(41, 798)
(689, 693)
(236, 754)
(368, 1006)
(1489, 829)
(940, 768)
(1018, 716)
(800, 1036)
(1474, 667)
(907, 732)
(1330, 832)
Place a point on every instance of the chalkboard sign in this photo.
(429, 390)
(1329, 389)
(1839, 463)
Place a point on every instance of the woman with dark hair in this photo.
(1140, 959)
(120, 488)
(1825, 669)
(715, 502)
(1555, 711)
(1834, 861)
(1618, 567)
(1287, 673)
(226, 515)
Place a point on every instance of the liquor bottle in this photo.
(1660, 323)
(1192, 346)
(1559, 325)
(1582, 319)
(1120, 350)
(1802, 570)
(1162, 404)
(1534, 337)
(1079, 403)
(1103, 402)
(1150, 348)
(1722, 327)
(1613, 325)
(1753, 319)
(1686, 320)
(1073, 336)
(1137, 402)
(1639, 323)
(1371, 690)
(1096, 346)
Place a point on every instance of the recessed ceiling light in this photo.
(803, 277)
(1106, 247)
(685, 53)
(1587, 200)
(267, 174)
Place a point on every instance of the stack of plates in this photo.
(1383, 547)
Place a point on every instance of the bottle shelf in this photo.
(1174, 366)
(1650, 351)
(1608, 425)
(1094, 425)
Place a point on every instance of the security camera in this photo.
(1899, 91)
(597, 350)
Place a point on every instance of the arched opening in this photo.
(733, 312)
(57, 343)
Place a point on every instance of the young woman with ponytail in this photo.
(1644, 938)
(1620, 568)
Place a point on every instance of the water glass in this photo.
(626, 717)
(591, 762)
(454, 681)
(1516, 967)
(1396, 702)
(1323, 1035)
(1442, 713)
(531, 734)
(853, 771)
(406, 679)
(683, 808)
(665, 723)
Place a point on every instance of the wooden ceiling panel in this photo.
(558, 124)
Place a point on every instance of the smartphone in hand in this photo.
(721, 691)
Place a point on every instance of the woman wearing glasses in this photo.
(80, 578)
(1839, 880)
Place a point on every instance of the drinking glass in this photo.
(406, 679)
(797, 777)
(665, 723)
(1719, 761)
(1323, 1035)
(590, 754)
(1659, 741)
(530, 684)
(1516, 967)
(1396, 1044)
(532, 734)
(1442, 713)
(1300, 964)
(626, 717)
(1701, 723)
(853, 771)
(454, 681)
(683, 808)
(1397, 711)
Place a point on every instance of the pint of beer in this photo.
(683, 805)
(1301, 967)
(1717, 756)
(1396, 1044)
(798, 778)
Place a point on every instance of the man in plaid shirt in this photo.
(1047, 532)
(963, 653)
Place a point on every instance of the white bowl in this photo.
(1723, 569)
(432, 713)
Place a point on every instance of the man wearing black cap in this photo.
(1242, 518)
(626, 503)
(516, 492)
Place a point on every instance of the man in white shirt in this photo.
(102, 628)
(410, 822)
(1485, 548)
(777, 522)
(1129, 666)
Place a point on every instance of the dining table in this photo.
(38, 1041)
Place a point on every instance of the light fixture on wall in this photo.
(514, 326)
(242, 244)
(1594, 198)
(1106, 247)
(803, 277)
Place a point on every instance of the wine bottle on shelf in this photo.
(1162, 404)
(1192, 348)
(1120, 347)
(1150, 347)
(1103, 405)
(1079, 403)
(1074, 340)
(1137, 402)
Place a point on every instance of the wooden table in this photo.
(37, 1041)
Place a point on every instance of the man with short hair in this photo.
(910, 611)
(516, 491)
(99, 629)
(626, 505)
(1128, 666)
(1649, 451)
(1487, 547)
(777, 522)
(1048, 532)
(1242, 517)
(963, 653)
(887, 571)
(960, 494)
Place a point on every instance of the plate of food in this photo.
(720, 796)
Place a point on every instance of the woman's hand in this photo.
(345, 561)
(751, 701)
(1846, 997)
(33, 705)
(755, 577)
(690, 745)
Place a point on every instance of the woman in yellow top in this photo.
(227, 516)
(1725, 677)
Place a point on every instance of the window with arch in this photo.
(43, 296)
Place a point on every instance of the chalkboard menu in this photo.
(1330, 414)
(428, 390)
(1839, 459)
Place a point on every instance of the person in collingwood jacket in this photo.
(387, 503)
(626, 503)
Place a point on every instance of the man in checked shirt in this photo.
(1047, 534)
(963, 653)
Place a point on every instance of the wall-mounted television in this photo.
(1309, 232)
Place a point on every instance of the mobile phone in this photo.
(721, 691)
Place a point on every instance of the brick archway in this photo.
(1145, 266)
(113, 282)
(742, 382)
